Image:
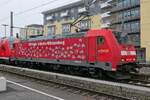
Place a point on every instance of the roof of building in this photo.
(78, 3)
(34, 25)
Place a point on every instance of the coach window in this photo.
(100, 40)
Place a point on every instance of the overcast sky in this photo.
(31, 17)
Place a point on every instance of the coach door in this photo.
(92, 49)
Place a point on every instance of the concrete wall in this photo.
(145, 27)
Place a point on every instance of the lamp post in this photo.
(5, 26)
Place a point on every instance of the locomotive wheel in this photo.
(100, 73)
(96, 73)
(118, 75)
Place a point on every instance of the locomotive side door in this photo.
(103, 52)
(91, 49)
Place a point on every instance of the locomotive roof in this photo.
(59, 36)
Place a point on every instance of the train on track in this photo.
(95, 53)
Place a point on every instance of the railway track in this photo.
(145, 65)
(89, 95)
(136, 79)
(94, 92)
(140, 80)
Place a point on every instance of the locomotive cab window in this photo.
(14, 45)
(100, 40)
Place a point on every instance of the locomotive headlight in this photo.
(132, 52)
(122, 60)
(124, 53)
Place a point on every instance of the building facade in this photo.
(145, 27)
(32, 30)
(123, 16)
(59, 20)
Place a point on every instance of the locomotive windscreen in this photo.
(121, 37)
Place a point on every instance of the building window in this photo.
(51, 30)
(85, 24)
(66, 28)
(33, 31)
(127, 27)
(135, 26)
(135, 12)
(134, 2)
(120, 3)
(120, 16)
(50, 17)
(125, 14)
(38, 32)
(65, 14)
(134, 39)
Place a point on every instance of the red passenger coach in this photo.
(94, 49)
(5, 51)
(6, 48)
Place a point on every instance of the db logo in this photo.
(103, 51)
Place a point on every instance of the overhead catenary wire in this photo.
(39, 6)
(5, 3)
(30, 9)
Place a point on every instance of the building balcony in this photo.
(105, 5)
(135, 43)
(133, 31)
(50, 18)
(105, 25)
(127, 19)
(104, 15)
(64, 14)
(128, 31)
(121, 8)
(82, 10)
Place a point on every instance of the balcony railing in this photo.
(126, 19)
(135, 43)
(82, 10)
(119, 8)
(65, 14)
(104, 15)
(105, 5)
(105, 25)
(129, 31)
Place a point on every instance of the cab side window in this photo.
(100, 40)
(14, 45)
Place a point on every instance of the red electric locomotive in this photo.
(95, 51)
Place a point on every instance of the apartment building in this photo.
(124, 17)
(32, 30)
(59, 20)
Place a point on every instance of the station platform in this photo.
(21, 88)
(98, 86)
